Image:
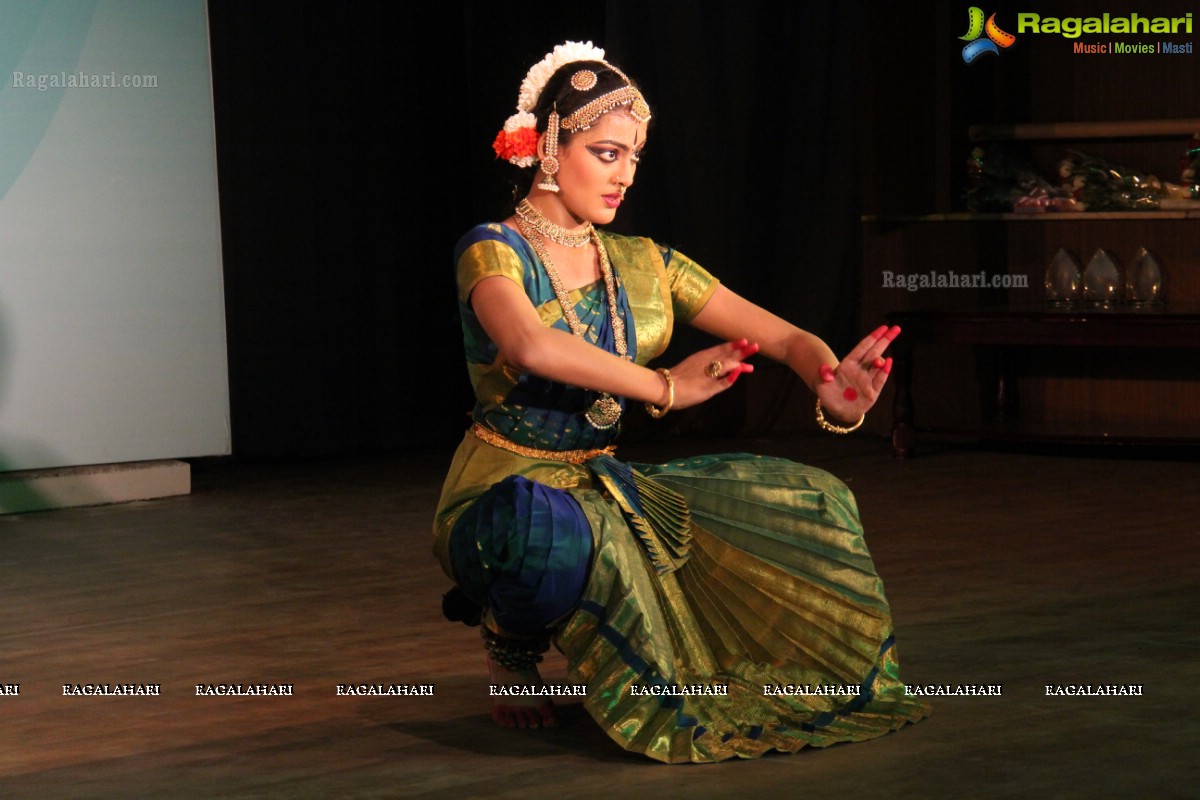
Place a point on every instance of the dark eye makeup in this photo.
(609, 155)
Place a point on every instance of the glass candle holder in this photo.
(1063, 281)
(1145, 280)
(1102, 280)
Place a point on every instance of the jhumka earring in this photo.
(550, 157)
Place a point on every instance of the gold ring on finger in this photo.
(715, 369)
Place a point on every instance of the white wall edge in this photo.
(101, 484)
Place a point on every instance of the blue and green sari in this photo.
(716, 606)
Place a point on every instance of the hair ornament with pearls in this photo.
(540, 73)
(517, 140)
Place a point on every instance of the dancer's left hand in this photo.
(848, 390)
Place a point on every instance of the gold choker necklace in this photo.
(527, 212)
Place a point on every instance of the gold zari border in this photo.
(569, 456)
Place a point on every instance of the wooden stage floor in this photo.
(1009, 569)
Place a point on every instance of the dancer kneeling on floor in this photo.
(705, 602)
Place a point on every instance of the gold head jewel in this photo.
(586, 115)
(583, 80)
(516, 142)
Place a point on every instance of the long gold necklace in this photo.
(605, 411)
(528, 212)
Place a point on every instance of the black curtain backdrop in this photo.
(353, 148)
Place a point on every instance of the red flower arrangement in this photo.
(521, 143)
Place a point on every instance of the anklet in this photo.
(515, 655)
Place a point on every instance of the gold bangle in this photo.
(829, 426)
(655, 411)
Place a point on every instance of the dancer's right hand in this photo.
(711, 371)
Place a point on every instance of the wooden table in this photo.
(998, 331)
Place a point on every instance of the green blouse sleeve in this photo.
(690, 284)
(484, 259)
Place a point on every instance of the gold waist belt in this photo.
(569, 456)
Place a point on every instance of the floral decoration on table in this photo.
(1001, 182)
(1100, 185)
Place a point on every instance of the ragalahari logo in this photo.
(976, 27)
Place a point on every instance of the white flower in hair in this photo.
(540, 73)
(521, 119)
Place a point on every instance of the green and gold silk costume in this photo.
(716, 606)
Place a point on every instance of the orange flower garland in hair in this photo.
(516, 145)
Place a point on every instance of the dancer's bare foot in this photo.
(517, 710)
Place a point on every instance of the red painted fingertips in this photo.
(826, 373)
(736, 372)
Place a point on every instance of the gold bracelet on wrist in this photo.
(829, 426)
(655, 411)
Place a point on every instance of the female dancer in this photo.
(716, 606)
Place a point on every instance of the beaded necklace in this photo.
(605, 411)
